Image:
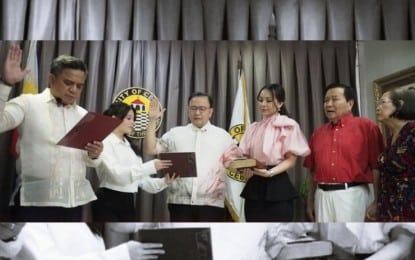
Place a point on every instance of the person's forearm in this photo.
(284, 165)
(150, 140)
(398, 248)
(10, 249)
(6, 120)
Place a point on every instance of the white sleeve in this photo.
(153, 185)
(121, 174)
(66, 241)
(165, 143)
(10, 249)
(11, 114)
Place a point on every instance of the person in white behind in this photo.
(70, 241)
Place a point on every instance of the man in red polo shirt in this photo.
(343, 160)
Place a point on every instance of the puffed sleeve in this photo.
(230, 154)
(293, 138)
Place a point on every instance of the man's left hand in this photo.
(94, 149)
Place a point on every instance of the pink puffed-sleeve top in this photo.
(270, 139)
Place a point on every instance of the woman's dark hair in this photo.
(278, 92)
(200, 94)
(119, 110)
(403, 100)
(97, 228)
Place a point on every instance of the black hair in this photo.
(66, 62)
(119, 110)
(349, 92)
(403, 100)
(200, 94)
(97, 228)
(277, 92)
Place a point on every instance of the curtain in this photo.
(174, 69)
(207, 19)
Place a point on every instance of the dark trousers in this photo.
(269, 211)
(188, 213)
(113, 205)
(43, 214)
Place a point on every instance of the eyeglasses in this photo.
(382, 102)
(202, 109)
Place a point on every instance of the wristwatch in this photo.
(271, 173)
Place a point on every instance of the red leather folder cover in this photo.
(92, 127)
(184, 164)
(180, 243)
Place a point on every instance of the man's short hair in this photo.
(349, 92)
(200, 94)
(66, 62)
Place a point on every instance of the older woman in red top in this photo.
(396, 192)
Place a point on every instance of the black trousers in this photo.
(113, 205)
(195, 213)
(20, 213)
(269, 211)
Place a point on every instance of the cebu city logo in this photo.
(237, 131)
(139, 98)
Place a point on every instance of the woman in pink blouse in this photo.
(274, 142)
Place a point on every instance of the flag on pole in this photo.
(239, 122)
(30, 82)
(30, 86)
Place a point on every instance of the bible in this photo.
(184, 164)
(242, 163)
(246, 163)
(180, 243)
(306, 249)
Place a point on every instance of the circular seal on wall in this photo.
(139, 98)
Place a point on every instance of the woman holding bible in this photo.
(274, 142)
(122, 171)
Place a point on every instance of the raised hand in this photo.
(12, 71)
(155, 112)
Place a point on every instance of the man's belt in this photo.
(339, 186)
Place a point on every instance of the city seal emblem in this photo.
(139, 98)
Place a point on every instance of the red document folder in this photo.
(92, 127)
(184, 164)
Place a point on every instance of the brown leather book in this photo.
(306, 250)
(184, 164)
(180, 243)
(246, 163)
(242, 163)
